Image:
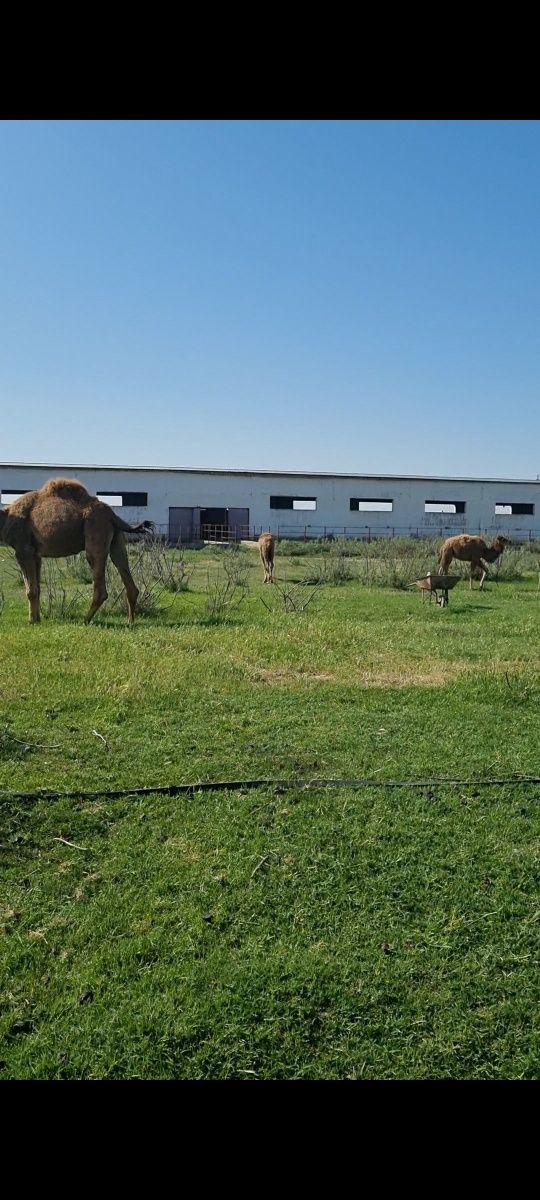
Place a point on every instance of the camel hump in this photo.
(66, 489)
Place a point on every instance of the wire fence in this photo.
(228, 534)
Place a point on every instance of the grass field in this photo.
(269, 933)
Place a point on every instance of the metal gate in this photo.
(209, 524)
(181, 525)
(238, 520)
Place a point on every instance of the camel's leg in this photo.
(268, 564)
(97, 562)
(119, 556)
(31, 568)
(484, 573)
(98, 536)
(38, 582)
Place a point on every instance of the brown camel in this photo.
(267, 546)
(62, 519)
(470, 549)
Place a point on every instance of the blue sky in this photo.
(312, 295)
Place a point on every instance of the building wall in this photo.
(214, 489)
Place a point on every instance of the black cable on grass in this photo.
(238, 785)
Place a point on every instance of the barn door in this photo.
(238, 523)
(180, 525)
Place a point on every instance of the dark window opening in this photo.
(124, 499)
(11, 497)
(297, 503)
(135, 499)
(444, 506)
(111, 498)
(506, 509)
(375, 505)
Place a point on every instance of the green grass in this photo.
(299, 934)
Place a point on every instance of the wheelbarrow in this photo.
(438, 586)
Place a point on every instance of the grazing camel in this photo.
(267, 546)
(62, 519)
(470, 549)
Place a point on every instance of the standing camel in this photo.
(62, 519)
(473, 550)
(267, 546)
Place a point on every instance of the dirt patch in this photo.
(279, 675)
(395, 675)
(436, 675)
(188, 853)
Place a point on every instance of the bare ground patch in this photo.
(373, 675)
(277, 675)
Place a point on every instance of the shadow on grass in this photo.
(159, 621)
(470, 608)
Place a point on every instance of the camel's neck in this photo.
(491, 554)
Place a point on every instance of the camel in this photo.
(62, 519)
(471, 549)
(267, 546)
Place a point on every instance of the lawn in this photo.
(355, 932)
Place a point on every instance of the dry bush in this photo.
(79, 568)
(223, 595)
(60, 601)
(151, 590)
(335, 568)
(164, 565)
(292, 597)
(235, 563)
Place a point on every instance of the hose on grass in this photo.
(239, 785)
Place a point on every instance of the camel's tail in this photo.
(123, 525)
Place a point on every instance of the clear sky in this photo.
(312, 295)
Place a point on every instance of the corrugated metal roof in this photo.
(265, 473)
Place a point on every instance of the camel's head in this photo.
(500, 542)
(3, 515)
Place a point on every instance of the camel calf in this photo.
(267, 546)
(467, 548)
(62, 519)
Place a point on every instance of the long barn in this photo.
(191, 504)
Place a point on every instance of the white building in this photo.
(188, 504)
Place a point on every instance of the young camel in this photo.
(62, 519)
(267, 546)
(470, 549)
